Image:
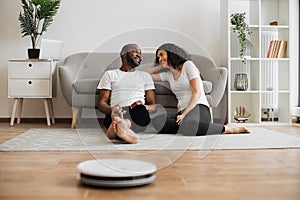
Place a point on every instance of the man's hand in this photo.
(117, 111)
(136, 104)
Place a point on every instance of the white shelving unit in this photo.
(269, 82)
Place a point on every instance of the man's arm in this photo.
(150, 101)
(103, 104)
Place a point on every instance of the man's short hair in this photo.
(126, 48)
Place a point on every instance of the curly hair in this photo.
(176, 55)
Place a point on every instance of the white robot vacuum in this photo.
(116, 172)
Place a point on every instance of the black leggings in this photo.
(196, 123)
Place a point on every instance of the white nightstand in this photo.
(33, 78)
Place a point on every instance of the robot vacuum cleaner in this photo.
(116, 172)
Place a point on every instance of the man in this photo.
(126, 97)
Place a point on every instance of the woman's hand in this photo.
(180, 119)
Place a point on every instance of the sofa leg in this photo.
(211, 113)
(75, 116)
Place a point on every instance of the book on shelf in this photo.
(282, 49)
(270, 49)
(277, 49)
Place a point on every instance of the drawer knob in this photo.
(29, 82)
(30, 65)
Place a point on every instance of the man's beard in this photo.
(131, 61)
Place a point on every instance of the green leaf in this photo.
(37, 16)
(241, 28)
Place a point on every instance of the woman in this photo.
(193, 117)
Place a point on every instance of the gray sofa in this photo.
(80, 73)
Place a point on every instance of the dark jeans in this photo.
(196, 123)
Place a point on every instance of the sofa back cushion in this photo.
(95, 64)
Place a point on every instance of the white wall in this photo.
(85, 24)
(294, 20)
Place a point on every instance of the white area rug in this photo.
(95, 139)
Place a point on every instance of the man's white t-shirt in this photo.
(182, 88)
(126, 87)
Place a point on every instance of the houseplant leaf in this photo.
(37, 16)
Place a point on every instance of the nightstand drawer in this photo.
(29, 88)
(30, 69)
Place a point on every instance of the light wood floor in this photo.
(222, 174)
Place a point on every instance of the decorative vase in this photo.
(241, 82)
(33, 53)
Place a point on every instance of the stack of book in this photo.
(277, 49)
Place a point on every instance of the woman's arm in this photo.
(194, 99)
(153, 70)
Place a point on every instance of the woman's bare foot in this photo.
(123, 131)
(233, 129)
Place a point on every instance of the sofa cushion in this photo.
(163, 87)
(86, 86)
(89, 86)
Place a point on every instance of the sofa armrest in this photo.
(219, 84)
(66, 78)
(68, 73)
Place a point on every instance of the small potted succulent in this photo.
(37, 16)
(241, 28)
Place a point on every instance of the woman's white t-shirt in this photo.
(182, 88)
(126, 87)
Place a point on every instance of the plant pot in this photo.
(33, 53)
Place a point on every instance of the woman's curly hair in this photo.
(176, 55)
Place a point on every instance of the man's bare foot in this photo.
(116, 111)
(123, 131)
(232, 129)
(112, 129)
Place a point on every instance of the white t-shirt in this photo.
(126, 87)
(182, 88)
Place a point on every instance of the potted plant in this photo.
(241, 28)
(37, 16)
